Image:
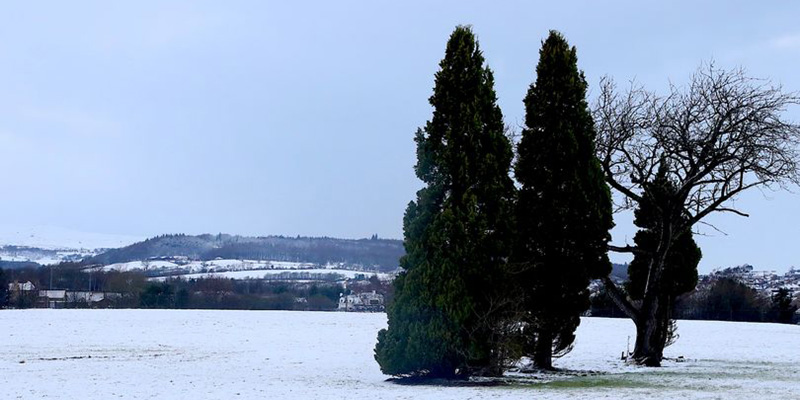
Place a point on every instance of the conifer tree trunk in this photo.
(652, 333)
(543, 352)
(648, 349)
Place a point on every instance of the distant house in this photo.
(16, 287)
(21, 295)
(66, 298)
(52, 298)
(369, 301)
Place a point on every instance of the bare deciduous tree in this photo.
(722, 134)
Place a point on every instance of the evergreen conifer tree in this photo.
(680, 272)
(782, 310)
(3, 289)
(680, 265)
(457, 230)
(563, 212)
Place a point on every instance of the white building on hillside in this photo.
(369, 301)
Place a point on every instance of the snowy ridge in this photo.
(56, 238)
(243, 269)
(285, 274)
(219, 265)
(43, 256)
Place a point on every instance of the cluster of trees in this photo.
(496, 270)
(493, 273)
(221, 293)
(73, 276)
(725, 299)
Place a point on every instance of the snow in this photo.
(43, 256)
(266, 274)
(189, 354)
(139, 265)
(5, 256)
(200, 266)
(54, 238)
(240, 269)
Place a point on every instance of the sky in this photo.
(297, 118)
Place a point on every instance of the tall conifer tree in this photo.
(457, 230)
(564, 208)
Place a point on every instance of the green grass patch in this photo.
(601, 382)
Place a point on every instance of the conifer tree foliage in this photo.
(782, 310)
(563, 213)
(680, 266)
(456, 233)
(680, 270)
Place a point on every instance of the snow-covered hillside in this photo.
(284, 274)
(241, 269)
(762, 281)
(219, 265)
(43, 256)
(51, 245)
(55, 238)
(189, 354)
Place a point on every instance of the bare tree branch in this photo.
(626, 249)
(722, 134)
(731, 210)
(620, 299)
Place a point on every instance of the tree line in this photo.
(724, 299)
(136, 291)
(502, 241)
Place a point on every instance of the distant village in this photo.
(26, 294)
(765, 282)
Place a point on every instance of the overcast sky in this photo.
(258, 117)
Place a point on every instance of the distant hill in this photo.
(619, 272)
(377, 254)
(28, 256)
(57, 238)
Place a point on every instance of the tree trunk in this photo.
(648, 350)
(543, 353)
(652, 331)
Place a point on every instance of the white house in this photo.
(52, 298)
(21, 287)
(369, 301)
(60, 298)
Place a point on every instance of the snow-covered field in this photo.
(186, 354)
(274, 273)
